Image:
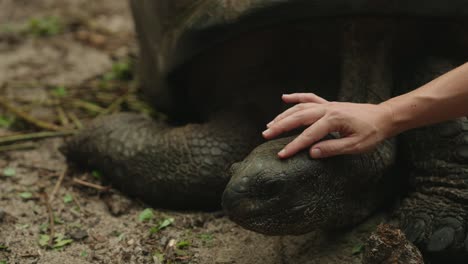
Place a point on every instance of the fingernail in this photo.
(282, 153)
(316, 153)
(266, 132)
(269, 124)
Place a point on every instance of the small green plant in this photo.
(60, 91)
(24, 226)
(44, 240)
(357, 249)
(162, 224)
(96, 174)
(158, 256)
(44, 227)
(67, 198)
(59, 241)
(9, 172)
(146, 215)
(206, 237)
(26, 195)
(58, 220)
(84, 254)
(6, 122)
(44, 26)
(121, 70)
(183, 244)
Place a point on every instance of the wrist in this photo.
(394, 125)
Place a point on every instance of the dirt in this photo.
(103, 226)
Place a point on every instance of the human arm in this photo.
(363, 126)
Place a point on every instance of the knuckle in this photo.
(308, 135)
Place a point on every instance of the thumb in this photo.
(332, 147)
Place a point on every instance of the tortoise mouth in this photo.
(268, 217)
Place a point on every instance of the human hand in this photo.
(361, 126)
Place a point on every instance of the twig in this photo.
(76, 201)
(62, 116)
(88, 106)
(116, 104)
(36, 167)
(51, 219)
(31, 136)
(91, 185)
(75, 120)
(58, 184)
(19, 146)
(27, 117)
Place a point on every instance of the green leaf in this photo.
(183, 244)
(3, 262)
(9, 172)
(6, 122)
(206, 237)
(357, 249)
(44, 26)
(121, 70)
(121, 237)
(58, 221)
(26, 195)
(44, 227)
(166, 222)
(159, 256)
(23, 226)
(162, 224)
(96, 174)
(3, 247)
(84, 254)
(67, 198)
(60, 91)
(44, 240)
(146, 215)
(61, 243)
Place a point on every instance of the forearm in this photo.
(441, 99)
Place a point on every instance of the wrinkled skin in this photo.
(300, 194)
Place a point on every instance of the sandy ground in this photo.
(103, 226)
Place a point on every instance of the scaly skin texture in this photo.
(300, 194)
(182, 167)
(434, 215)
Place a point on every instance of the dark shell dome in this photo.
(173, 32)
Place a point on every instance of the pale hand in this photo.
(361, 126)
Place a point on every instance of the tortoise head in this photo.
(293, 196)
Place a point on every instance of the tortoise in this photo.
(217, 68)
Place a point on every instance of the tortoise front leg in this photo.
(435, 215)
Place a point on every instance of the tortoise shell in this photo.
(171, 33)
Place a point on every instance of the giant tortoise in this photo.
(218, 68)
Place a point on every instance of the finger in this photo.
(333, 147)
(300, 118)
(303, 98)
(291, 111)
(309, 136)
